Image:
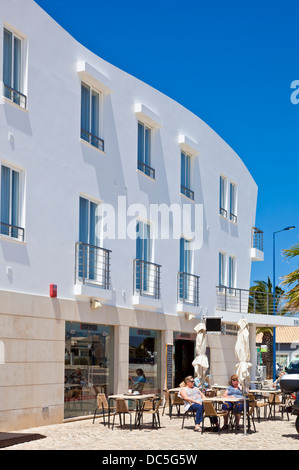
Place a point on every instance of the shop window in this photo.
(145, 354)
(88, 366)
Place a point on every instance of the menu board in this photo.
(169, 367)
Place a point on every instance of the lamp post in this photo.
(274, 303)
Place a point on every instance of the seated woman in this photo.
(192, 397)
(139, 382)
(235, 391)
(78, 381)
(276, 384)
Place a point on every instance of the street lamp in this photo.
(274, 306)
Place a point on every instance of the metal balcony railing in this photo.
(12, 231)
(92, 265)
(188, 289)
(146, 278)
(187, 192)
(223, 212)
(92, 139)
(15, 96)
(146, 169)
(250, 301)
(257, 239)
(233, 217)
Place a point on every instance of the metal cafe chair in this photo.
(257, 405)
(176, 401)
(122, 410)
(186, 414)
(210, 412)
(102, 405)
(151, 408)
(273, 400)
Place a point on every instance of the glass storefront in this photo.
(88, 366)
(145, 356)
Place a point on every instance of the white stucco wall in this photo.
(58, 167)
(44, 142)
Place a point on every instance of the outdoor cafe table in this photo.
(138, 399)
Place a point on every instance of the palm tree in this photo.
(292, 296)
(261, 298)
(261, 301)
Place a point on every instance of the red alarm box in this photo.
(53, 290)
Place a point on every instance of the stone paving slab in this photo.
(84, 435)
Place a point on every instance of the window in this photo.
(87, 221)
(92, 261)
(13, 68)
(185, 256)
(188, 288)
(143, 256)
(186, 175)
(144, 150)
(221, 271)
(146, 273)
(232, 193)
(231, 274)
(10, 203)
(145, 354)
(89, 359)
(222, 201)
(90, 116)
(143, 241)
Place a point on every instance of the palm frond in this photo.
(291, 252)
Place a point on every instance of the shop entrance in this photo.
(184, 350)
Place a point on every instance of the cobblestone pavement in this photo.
(84, 435)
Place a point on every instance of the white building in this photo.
(78, 135)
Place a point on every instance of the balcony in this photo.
(223, 212)
(187, 192)
(15, 96)
(188, 289)
(257, 244)
(146, 279)
(249, 301)
(92, 139)
(188, 293)
(12, 231)
(233, 218)
(92, 269)
(146, 169)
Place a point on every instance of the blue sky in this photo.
(232, 64)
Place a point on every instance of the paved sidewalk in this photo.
(83, 435)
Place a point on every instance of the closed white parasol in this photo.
(242, 351)
(200, 362)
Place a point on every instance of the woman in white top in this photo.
(193, 397)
